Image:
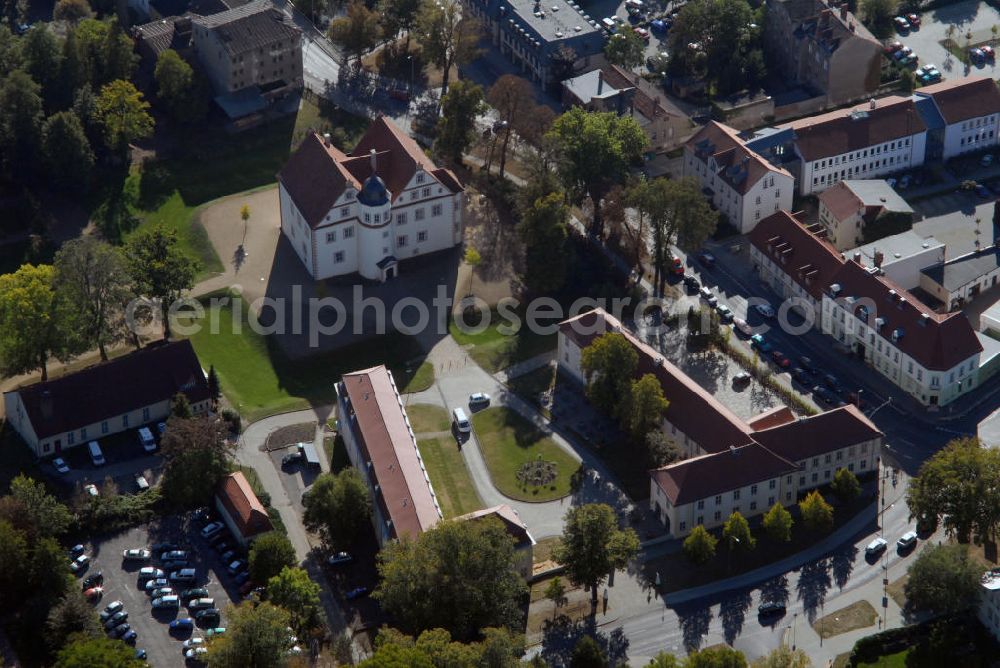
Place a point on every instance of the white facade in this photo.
(989, 603)
(778, 279)
(871, 162)
(771, 193)
(974, 134)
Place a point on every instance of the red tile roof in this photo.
(703, 477)
(649, 100)
(841, 200)
(961, 99)
(383, 431)
(808, 259)
(772, 418)
(846, 130)
(738, 166)
(810, 436)
(243, 506)
(511, 521)
(315, 178)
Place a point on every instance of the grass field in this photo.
(897, 660)
(454, 488)
(494, 350)
(426, 418)
(259, 380)
(857, 615)
(508, 441)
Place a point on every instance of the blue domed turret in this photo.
(373, 191)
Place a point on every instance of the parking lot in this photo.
(124, 460)
(969, 16)
(122, 582)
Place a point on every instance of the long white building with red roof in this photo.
(366, 211)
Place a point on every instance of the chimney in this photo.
(872, 103)
(374, 163)
(326, 138)
(878, 259)
(857, 258)
(600, 82)
(843, 13)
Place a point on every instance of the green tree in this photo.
(660, 449)
(499, 648)
(72, 10)
(35, 324)
(699, 546)
(473, 259)
(717, 656)
(196, 456)
(845, 485)
(179, 88)
(544, 229)
(448, 37)
(456, 129)
(511, 97)
(93, 280)
(338, 507)
(645, 407)
(83, 651)
(878, 15)
(357, 31)
(587, 654)
(256, 635)
(625, 49)
(14, 562)
(907, 81)
(817, 514)
(159, 269)
(944, 579)
(555, 591)
(293, 590)
(10, 50)
(592, 546)
(399, 15)
(595, 149)
(72, 614)
(67, 152)
(13, 11)
(20, 123)
(214, 388)
(42, 54)
(123, 115)
(664, 660)
(459, 576)
(180, 406)
(736, 533)
(609, 364)
(778, 523)
(783, 657)
(269, 555)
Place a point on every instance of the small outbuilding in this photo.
(240, 508)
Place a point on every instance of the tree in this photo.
(459, 576)
(83, 651)
(499, 648)
(42, 55)
(878, 15)
(587, 654)
(592, 546)
(14, 562)
(609, 364)
(783, 657)
(123, 115)
(645, 407)
(511, 96)
(10, 50)
(595, 149)
(34, 321)
(358, 31)
(269, 554)
(159, 269)
(13, 11)
(699, 546)
(716, 656)
(66, 150)
(456, 129)
(660, 449)
(338, 507)
(93, 280)
(72, 614)
(196, 455)
(292, 590)
(214, 388)
(473, 259)
(845, 485)
(907, 81)
(736, 533)
(245, 217)
(816, 513)
(256, 635)
(180, 407)
(544, 229)
(179, 88)
(72, 10)
(943, 579)
(448, 37)
(106, 52)
(625, 49)
(778, 523)
(399, 15)
(21, 121)
(555, 591)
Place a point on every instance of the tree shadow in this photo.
(560, 636)
(814, 581)
(842, 565)
(694, 621)
(775, 589)
(732, 612)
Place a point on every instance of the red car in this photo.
(893, 47)
(94, 594)
(780, 359)
(914, 20)
(677, 267)
(642, 33)
(988, 52)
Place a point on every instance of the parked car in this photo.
(781, 359)
(807, 364)
(913, 20)
(824, 395)
(174, 555)
(902, 53)
(120, 630)
(183, 575)
(764, 310)
(799, 374)
(760, 343)
(983, 191)
(212, 529)
(892, 47)
(707, 295)
(130, 637)
(986, 160)
(201, 604)
(205, 616)
(676, 267)
(902, 25)
(94, 594)
(140, 654)
(182, 624)
(222, 547)
(194, 641)
(165, 546)
(116, 619)
(195, 653)
(479, 399)
(742, 326)
(76, 550)
(80, 564)
(339, 558)
(357, 592)
(771, 608)
(907, 540)
(217, 631)
(160, 592)
(110, 609)
(166, 602)
(292, 458)
(691, 283)
(136, 554)
(150, 573)
(741, 378)
(832, 382)
(236, 566)
(156, 583)
(195, 592)
(725, 313)
(141, 483)
(179, 564)
(658, 25)
(988, 51)
(242, 577)
(904, 181)
(875, 547)
(60, 465)
(91, 489)
(642, 33)
(93, 580)
(706, 258)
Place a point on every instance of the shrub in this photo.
(232, 418)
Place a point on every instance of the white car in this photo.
(194, 642)
(876, 546)
(80, 563)
(212, 529)
(150, 573)
(60, 465)
(764, 310)
(907, 540)
(195, 652)
(479, 399)
(136, 554)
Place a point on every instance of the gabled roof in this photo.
(847, 130)
(379, 422)
(956, 274)
(243, 506)
(736, 164)
(255, 25)
(405, 155)
(110, 389)
(716, 473)
(511, 521)
(810, 436)
(845, 198)
(961, 99)
(808, 258)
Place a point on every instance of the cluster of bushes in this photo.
(114, 512)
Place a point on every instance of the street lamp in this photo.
(409, 96)
(729, 562)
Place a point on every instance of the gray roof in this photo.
(591, 85)
(556, 19)
(254, 25)
(877, 192)
(957, 230)
(962, 271)
(896, 247)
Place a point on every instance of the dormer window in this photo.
(420, 177)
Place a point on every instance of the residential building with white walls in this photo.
(964, 117)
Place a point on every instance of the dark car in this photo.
(824, 395)
(222, 547)
(800, 375)
(691, 283)
(807, 365)
(357, 592)
(129, 637)
(76, 551)
(706, 258)
(183, 624)
(831, 381)
(159, 548)
(93, 580)
(237, 566)
(241, 578)
(291, 458)
(781, 359)
(771, 608)
(196, 592)
(116, 619)
(211, 615)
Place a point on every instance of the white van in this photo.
(96, 456)
(461, 421)
(146, 439)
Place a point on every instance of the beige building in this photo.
(824, 47)
(524, 543)
(732, 464)
(254, 46)
(849, 206)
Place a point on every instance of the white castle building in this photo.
(366, 211)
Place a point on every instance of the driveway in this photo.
(969, 16)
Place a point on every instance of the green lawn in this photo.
(454, 488)
(425, 418)
(508, 441)
(259, 380)
(494, 350)
(336, 453)
(897, 660)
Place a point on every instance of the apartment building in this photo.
(738, 182)
(367, 211)
(731, 464)
(847, 207)
(989, 602)
(824, 48)
(961, 115)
